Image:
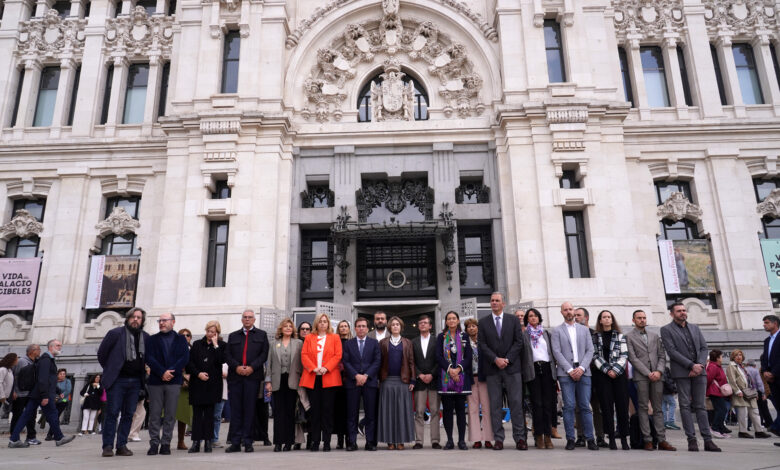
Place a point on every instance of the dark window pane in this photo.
(129, 204)
(222, 190)
(626, 75)
(763, 188)
(473, 245)
(684, 75)
(665, 189)
(107, 94)
(47, 96)
(172, 7)
(63, 8)
(149, 5)
(718, 75)
(74, 95)
(747, 74)
(319, 280)
(569, 180)
(553, 45)
(775, 65)
(319, 249)
(420, 99)
(18, 97)
(573, 247)
(655, 78)
(230, 62)
(166, 71)
(135, 95)
(222, 231)
(474, 279)
(35, 207)
(216, 263)
(576, 245)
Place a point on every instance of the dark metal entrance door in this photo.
(397, 269)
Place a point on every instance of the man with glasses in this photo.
(121, 354)
(167, 354)
(246, 353)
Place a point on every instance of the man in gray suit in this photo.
(687, 351)
(573, 350)
(648, 357)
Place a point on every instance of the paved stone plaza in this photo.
(84, 453)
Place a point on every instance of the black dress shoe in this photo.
(233, 448)
(570, 445)
(612, 444)
(297, 447)
(124, 452)
(417, 446)
(287, 448)
(463, 446)
(152, 450)
(266, 442)
(710, 446)
(449, 445)
(580, 442)
(195, 447)
(278, 448)
(601, 442)
(108, 452)
(207, 446)
(624, 444)
(165, 449)
(435, 445)
(315, 447)
(326, 447)
(351, 447)
(371, 447)
(592, 445)
(249, 448)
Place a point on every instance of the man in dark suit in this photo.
(247, 351)
(167, 354)
(427, 384)
(687, 350)
(121, 354)
(42, 395)
(501, 346)
(770, 365)
(361, 360)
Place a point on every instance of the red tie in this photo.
(246, 343)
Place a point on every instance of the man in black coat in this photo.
(43, 395)
(427, 384)
(247, 351)
(501, 346)
(121, 354)
(770, 365)
(361, 359)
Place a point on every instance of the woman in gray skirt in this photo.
(396, 418)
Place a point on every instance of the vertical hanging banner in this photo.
(771, 250)
(112, 281)
(18, 283)
(687, 267)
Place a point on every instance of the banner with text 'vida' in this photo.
(18, 283)
(112, 281)
(771, 250)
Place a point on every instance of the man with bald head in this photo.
(167, 354)
(573, 350)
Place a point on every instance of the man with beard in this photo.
(380, 326)
(43, 395)
(121, 354)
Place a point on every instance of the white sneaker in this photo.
(135, 439)
(717, 435)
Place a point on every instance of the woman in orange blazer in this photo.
(320, 357)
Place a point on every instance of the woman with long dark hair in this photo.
(7, 376)
(92, 392)
(541, 384)
(302, 405)
(453, 353)
(610, 357)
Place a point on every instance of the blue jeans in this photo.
(49, 411)
(121, 397)
(721, 408)
(576, 393)
(218, 418)
(669, 405)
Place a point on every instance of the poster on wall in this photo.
(112, 281)
(18, 283)
(771, 250)
(687, 267)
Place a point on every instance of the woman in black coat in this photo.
(205, 369)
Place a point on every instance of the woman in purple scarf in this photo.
(453, 354)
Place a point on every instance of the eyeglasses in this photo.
(163, 320)
(305, 329)
(188, 336)
(248, 318)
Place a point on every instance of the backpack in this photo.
(27, 378)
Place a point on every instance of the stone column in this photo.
(638, 78)
(94, 71)
(127, 6)
(444, 179)
(161, 7)
(42, 6)
(14, 12)
(32, 80)
(59, 118)
(729, 73)
(152, 94)
(674, 78)
(700, 68)
(116, 101)
(765, 69)
(77, 8)
(512, 54)
(346, 182)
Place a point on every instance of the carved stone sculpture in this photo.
(649, 20)
(139, 35)
(677, 207)
(770, 206)
(118, 222)
(22, 225)
(741, 17)
(51, 36)
(392, 99)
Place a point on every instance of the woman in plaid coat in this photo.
(610, 356)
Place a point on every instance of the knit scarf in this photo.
(535, 332)
(452, 349)
(130, 353)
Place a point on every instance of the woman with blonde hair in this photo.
(395, 419)
(744, 398)
(205, 369)
(284, 369)
(321, 358)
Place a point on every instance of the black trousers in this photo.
(203, 422)
(614, 400)
(456, 403)
(284, 413)
(763, 411)
(321, 419)
(260, 426)
(542, 387)
(340, 413)
(242, 395)
(17, 407)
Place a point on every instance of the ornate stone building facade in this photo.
(406, 155)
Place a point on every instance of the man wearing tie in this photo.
(246, 353)
(425, 388)
(361, 360)
(770, 365)
(501, 345)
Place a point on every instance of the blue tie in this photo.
(360, 347)
(498, 325)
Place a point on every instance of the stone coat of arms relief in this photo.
(392, 99)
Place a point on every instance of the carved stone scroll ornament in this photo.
(395, 197)
(648, 20)
(677, 207)
(51, 36)
(140, 34)
(293, 38)
(118, 222)
(740, 17)
(22, 225)
(770, 206)
(392, 35)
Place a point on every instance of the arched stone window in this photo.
(420, 98)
